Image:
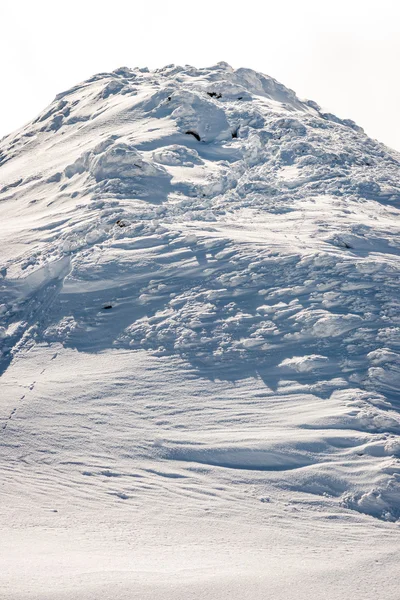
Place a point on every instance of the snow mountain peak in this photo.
(206, 231)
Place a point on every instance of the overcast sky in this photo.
(342, 54)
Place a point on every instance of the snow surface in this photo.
(200, 345)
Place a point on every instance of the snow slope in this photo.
(200, 345)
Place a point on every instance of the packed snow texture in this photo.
(199, 304)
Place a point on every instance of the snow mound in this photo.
(197, 115)
(206, 234)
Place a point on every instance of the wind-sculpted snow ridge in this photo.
(212, 221)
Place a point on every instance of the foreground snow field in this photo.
(200, 343)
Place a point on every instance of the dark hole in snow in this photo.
(194, 134)
(240, 97)
(235, 132)
(169, 98)
(214, 95)
(107, 306)
(342, 244)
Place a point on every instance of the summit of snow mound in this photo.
(217, 263)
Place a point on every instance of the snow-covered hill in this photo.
(200, 344)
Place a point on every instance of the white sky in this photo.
(344, 54)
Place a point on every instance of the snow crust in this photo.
(199, 308)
